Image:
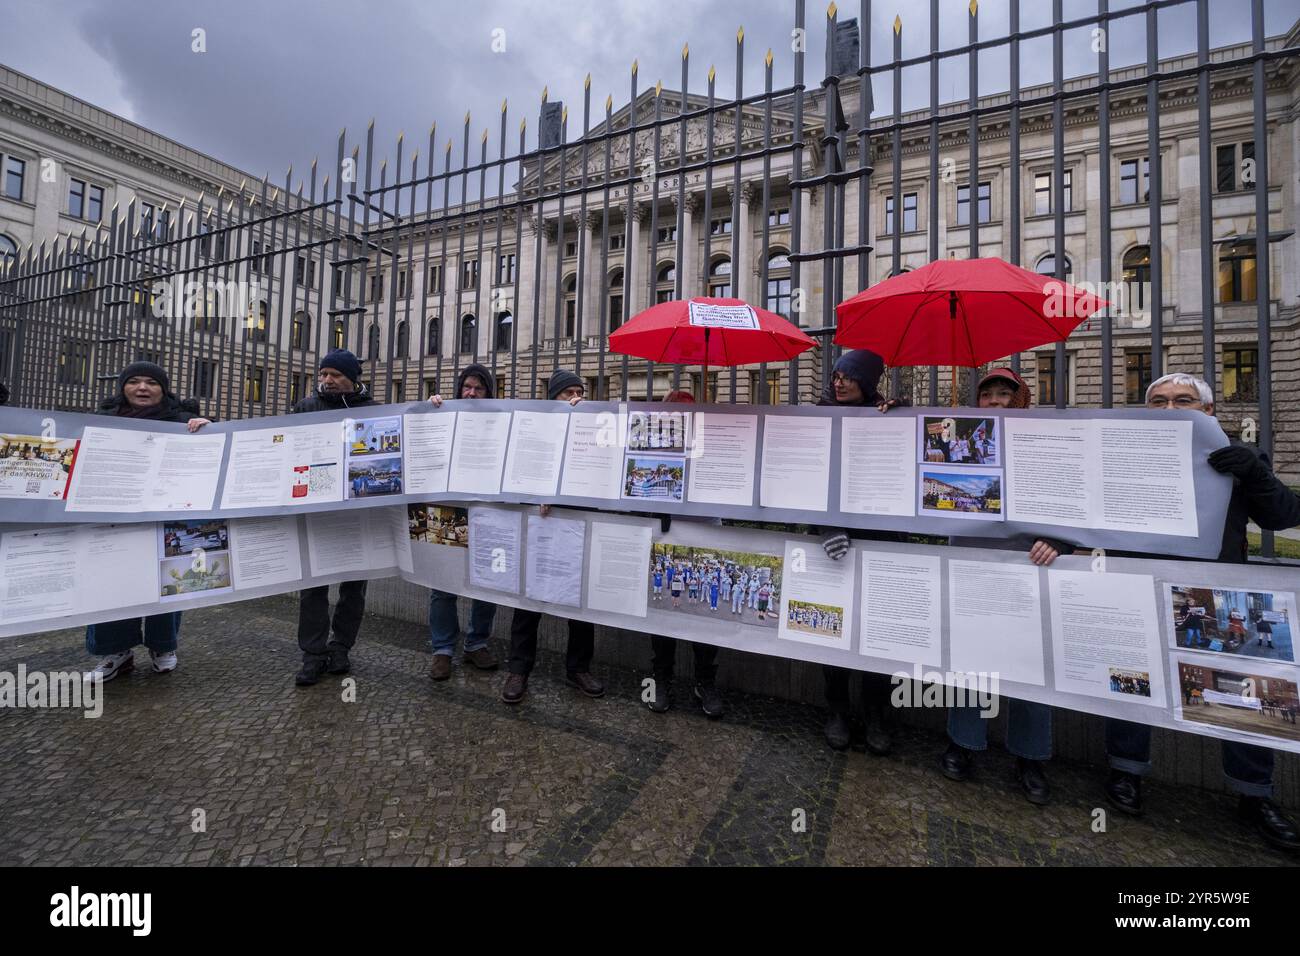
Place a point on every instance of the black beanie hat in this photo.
(341, 360)
(147, 369)
(561, 380)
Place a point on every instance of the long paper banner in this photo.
(1205, 647)
(1123, 479)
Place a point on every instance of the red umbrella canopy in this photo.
(737, 333)
(962, 312)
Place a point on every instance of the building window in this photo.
(74, 362)
(506, 269)
(304, 271)
(377, 287)
(909, 214)
(8, 253)
(435, 279)
(712, 397)
(254, 383)
(15, 177)
(963, 204)
(615, 299)
(430, 387)
(85, 201)
(1136, 276)
(340, 334)
(720, 279)
(570, 288)
(1043, 192)
(1047, 378)
(403, 343)
(1129, 171)
(617, 241)
(204, 380)
(372, 342)
(668, 234)
(570, 248)
(154, 222)
(1231, 165)
(779, 217)
(403, 284)
(467, 335)
(778, 284)
(666, 281)
(505, 326)
(300, 330)
(300, 387)
(469, 274)
(756, 383)
(1137, 376)
(1240, 381)
(1237, 272)
(431, 332)
(721, 226)
(1047, 266)
(255, 324)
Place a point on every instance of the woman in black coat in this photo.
(143, 392)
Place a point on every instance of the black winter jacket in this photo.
(170, 409)
(320, 401)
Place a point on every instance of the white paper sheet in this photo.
(534, 451)
(111, 562)
(187, 473)
(265, 551)
(428, 451)
(816, 597)
(293, 465)
(494, 545)
(555, 551)
(39, 571)
(1106, 636)
(593, 457)
(796, 462)
(995, 620)
(722, 462)
(1051, 470)
(1146, 476)
(115, 469)
(618, 568)
(336, 541)
(878, 466)
(902, 607)
(479, 452)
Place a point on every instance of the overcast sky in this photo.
(279, 78)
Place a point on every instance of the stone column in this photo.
(633, 275)
(742, 272)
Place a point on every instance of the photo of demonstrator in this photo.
(961, 441)
(821, 620)
(1246, 623)
(1235, 701)
(436, 524)
(710, 582)
(662, 478)
(374, 476)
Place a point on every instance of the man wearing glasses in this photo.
(1257, 495)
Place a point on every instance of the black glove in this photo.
(1240, 462)
(836, 545)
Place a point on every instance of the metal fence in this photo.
(527, 259)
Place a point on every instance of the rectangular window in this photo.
(909, 212)
(1237, 277)
(617, 240)
(721, 226)
(74, 362)
(756, 388)
(778, 217)
(1129, 172)
(1234, 167)
(469, 274)
(300, 386)
(963, 204)
(403, 284)
(430, 387)
(1240, 368)
(1137, 376)
(668, 234)
(435, 280)
(399, 392)
(1047, 379)
(571, 248)
(15, 177)
(254, 383)
(76, 198)
(377, 287)
(205, 378)
(304, 271)
(506, 269)
(1043, 192)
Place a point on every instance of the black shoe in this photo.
(837, 732)
(710, 700)
(1033, 781)
(956, 762)
(661, 695)
(1269, 822)
(312, 671)
(1124, 792)
(879, 741)
(337, 662)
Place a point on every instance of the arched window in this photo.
(570, 287)
(372, 342)
(340, 334)
(1047, 266)
(431, 333)
(8, 253)
(467, 324)
(1136, 276)
(403, 340)
(505, 328)
(256, 323)
(720, 279)
(778, 283)
(665, 282)
(615, 299)
(300, 330)
(1237, 277)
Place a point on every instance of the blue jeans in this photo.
(444, 624)
(114, 637)
(1029, 728)
(1247, 769)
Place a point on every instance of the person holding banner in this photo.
(143, 392)
(474, 381)
(325, 643)
(854, 381)
(1257, 495)
(564, 386)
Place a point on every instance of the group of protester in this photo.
(326, 639)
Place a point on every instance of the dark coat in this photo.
(1269, 503)
(480, 372)
(320, 401)
(170, 409)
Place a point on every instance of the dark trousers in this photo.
(314, 624)
(1247, 768)
(523, 643)
(665, 658)
(876, 689)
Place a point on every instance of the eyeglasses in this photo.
(1182, 401)
(839, 378)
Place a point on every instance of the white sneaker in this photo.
(112, 665)
(164, 662)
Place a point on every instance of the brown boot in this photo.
(483, 659)
(441, 668)
(515, 688)
(587, 684)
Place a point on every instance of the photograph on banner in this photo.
(1254, 700)
(193, 556)
(439, 524)
(1239, 622)
(738, 586)
(654, 477)
(960, 441)
(375, 436)
(35, 467)
(374, 459)
(1133, 683)
(813, 605)
(368, 477)
(817, 620)
(665, 431)
(970, 492)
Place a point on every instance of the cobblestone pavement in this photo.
(418, 773)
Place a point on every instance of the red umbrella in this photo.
(709, 331)
(962, 312)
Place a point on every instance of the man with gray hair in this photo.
(1257, 495)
